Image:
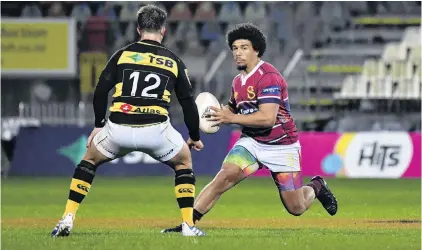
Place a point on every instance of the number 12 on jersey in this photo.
(143, 84)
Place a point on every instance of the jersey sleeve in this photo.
(183, 87)
(232, 100)
(270, 89)
(106, 82)
(183, 90)
(109, 73)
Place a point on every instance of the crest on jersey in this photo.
(251, 93)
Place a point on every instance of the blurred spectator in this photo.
(230, 12)
(180, 11)
(333, 15)
(31, 10)
(131, 32)
(128, 11)
(186, 31)
(210, 31)
(107, 10)
(56, 10)
(81, 12)
(205, 12)
(255, 11)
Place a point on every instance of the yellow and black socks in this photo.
(80, 185)
(185, 193)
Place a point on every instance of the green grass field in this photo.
(129, 213)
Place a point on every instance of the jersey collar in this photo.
(151, 42)
(245, 78)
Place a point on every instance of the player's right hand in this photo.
(197, 145)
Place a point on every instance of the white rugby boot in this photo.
(64, 226)
(191, 231)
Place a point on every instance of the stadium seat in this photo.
(277, 11)
(205, 12)
(367, 85)
(186, 31)
(348, 88)
(356, 7)
(281, 18)
(180, 11)
(415, 54)
(333, 14)
(31, 10)
(194, 48)
(217, 46)
(128, 11)
(107, 10)
(411, 35)
(255, 11)
(195, 65)
(210, 31)
(398, 85)
(56, 10)
(230, 12)
(413, 70)
(131, 33)
(81, 12)
(390, 52)
(413, 80)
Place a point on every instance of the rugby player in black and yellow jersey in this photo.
(144, 74)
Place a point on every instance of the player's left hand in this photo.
(91, 136)
(221, 115)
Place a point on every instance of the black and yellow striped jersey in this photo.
(144, 75)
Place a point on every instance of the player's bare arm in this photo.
(265, 117)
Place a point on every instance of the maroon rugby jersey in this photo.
(264, 84)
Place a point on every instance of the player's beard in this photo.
(241, 67)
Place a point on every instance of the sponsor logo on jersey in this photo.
(136, 57)
(126, 108)
(248, 111)
(149, 59)
(274, 90)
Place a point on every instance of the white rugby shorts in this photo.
(161, 141)
(277, 158)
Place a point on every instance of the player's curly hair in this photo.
(250, 32)
(151, 18)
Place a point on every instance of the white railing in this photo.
(292, 63)
(55, 113)
(210, 75)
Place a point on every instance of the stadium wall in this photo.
(54, 151)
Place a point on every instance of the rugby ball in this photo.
(204, 101)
